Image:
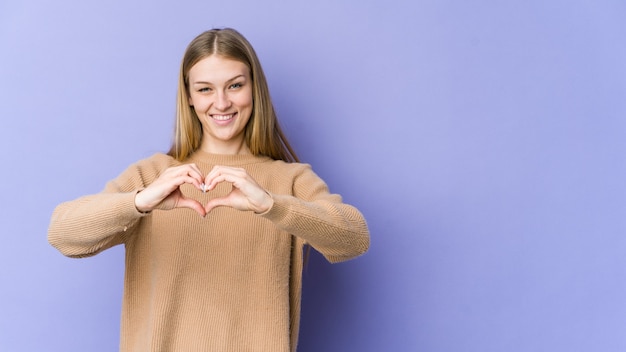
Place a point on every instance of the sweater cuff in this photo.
(131, 208)
(279, 210)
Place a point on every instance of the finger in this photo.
(192, 171)
(221, 173)
(195, 171)
(176, 176)
(191, 204)
(160, 190)
(214, 181)
(225, 170)
(208, 180)
(216, 202)
(182, 179)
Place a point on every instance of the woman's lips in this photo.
(223, 118)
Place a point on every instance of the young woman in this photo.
(214, 230)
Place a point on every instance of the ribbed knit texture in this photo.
(228, 282)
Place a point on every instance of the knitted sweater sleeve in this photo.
(90, 224)
(335, 229)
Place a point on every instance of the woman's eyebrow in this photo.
(227, 81)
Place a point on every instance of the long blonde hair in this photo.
(263, 134)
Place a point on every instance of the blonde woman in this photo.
(214, 230)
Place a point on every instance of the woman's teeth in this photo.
(223, 117)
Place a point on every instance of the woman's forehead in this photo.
(216, 68)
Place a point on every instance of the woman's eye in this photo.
(204, 90)
(236, 85)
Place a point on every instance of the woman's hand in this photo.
(246, 193)
(164, 193)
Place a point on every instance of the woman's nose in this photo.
(222, 102)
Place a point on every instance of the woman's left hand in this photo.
(245, 195)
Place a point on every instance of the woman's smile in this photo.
(223, 118)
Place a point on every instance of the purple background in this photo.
(483, 140)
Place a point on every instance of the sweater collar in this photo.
(202, 157)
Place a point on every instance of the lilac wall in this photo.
(484, 141)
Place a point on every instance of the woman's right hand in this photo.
(164, 193)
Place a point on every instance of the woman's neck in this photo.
(227, 148)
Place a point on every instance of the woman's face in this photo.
(220, 91)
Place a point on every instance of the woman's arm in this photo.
(335, 229)
(91, 224)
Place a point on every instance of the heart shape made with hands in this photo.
(236, 199)
(164, 193)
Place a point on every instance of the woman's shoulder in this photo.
(141, 173)
(294, 172)
(152, 165)
(290, 167)
(157, 160)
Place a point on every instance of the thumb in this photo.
(216, 202)
(191, 204)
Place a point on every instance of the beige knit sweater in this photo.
(228, 282)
